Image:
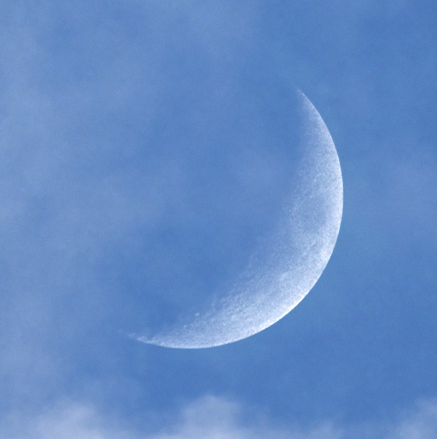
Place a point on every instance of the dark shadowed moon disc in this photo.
(287, 259)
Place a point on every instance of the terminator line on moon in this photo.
(296, 253)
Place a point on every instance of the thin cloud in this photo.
(213, 418)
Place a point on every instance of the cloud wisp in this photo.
(213, 418)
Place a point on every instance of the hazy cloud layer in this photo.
(213, 418)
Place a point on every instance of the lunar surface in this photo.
(287, 259)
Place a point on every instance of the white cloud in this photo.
(217, 418)
(213, 418)
(73, 422)
(420, 423)
(209, 417)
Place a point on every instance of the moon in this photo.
(288, 261)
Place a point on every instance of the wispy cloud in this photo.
(213, 418)
(209, 417)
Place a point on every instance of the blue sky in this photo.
(98, 101)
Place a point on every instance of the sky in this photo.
(118, 121)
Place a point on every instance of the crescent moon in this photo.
(293, 259)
